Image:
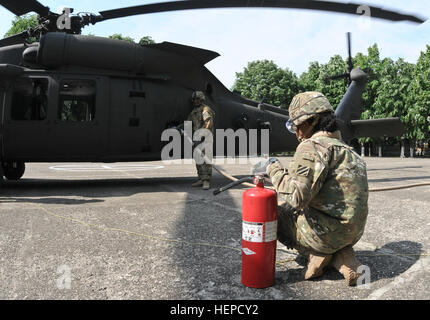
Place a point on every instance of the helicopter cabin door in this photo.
(56, 118)
(80, 130)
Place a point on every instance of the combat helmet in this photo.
(198, 95)
(305, 106)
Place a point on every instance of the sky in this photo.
(291, 38)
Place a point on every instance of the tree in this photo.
(316, 79)
(334, 90)
(142, 41)
(20, 24)
(392, 99)
(265, 80)
(371, 64)
(311, 80)
(419, 99)
(119, 36)
(146, 40)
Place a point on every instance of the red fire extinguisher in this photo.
(259, 233)
(259, 236)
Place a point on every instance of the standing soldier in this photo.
(202, 116)
(324, 191)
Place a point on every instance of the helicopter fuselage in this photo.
(83, 98)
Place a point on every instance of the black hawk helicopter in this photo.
(70, 97)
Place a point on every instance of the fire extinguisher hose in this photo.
(232, 184)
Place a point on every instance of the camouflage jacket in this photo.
(202, 117)
(327, 183)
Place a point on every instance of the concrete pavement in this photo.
(139, 231)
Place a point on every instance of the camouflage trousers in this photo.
(311, 231)
(204, 171)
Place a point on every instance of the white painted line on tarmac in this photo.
(114, 167)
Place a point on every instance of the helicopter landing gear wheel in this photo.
(13, 170)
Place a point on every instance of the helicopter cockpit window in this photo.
(30, 99)
(77, 100)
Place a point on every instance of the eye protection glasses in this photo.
(290, 123)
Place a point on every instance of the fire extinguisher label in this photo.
(270, 233)
(259, 231)
(252, 231)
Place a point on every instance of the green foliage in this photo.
(311, 80)
(371, 64)
(334, 90)
(394, 88)
(265, 80)
(119, 36)
(315, 79)
(20, 24)
(142, 41)
(419, 99)
(146, 40)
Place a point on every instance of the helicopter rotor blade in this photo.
(336, 77)
(349, 8)
(25, 6)
(16, 39)
(350, 64)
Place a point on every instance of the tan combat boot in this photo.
(346, 263)
(206, 185)
(198, 183)
(316, 265)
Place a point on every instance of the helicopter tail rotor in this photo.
(350, 64)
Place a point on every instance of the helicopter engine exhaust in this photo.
(58, 49)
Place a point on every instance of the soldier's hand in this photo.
(261, 167)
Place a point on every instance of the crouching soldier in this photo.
(323, 194)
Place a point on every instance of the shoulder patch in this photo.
(302, 170)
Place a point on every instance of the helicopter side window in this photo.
(77, 100)
(30, 100)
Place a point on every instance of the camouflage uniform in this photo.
(323, 195)
(203, 117)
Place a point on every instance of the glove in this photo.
(261, 167)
